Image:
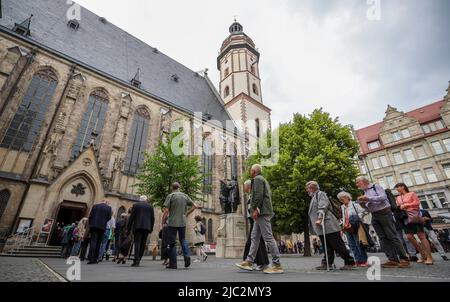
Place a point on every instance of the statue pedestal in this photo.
(231, 236)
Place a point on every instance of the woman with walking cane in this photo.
(325, 224)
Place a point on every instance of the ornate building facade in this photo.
(413, 148)
(81, 100)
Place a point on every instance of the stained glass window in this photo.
(137, 141)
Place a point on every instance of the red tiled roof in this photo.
(423, 114)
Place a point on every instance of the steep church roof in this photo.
(110, 50)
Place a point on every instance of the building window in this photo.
(92, 123)
(257, 128)
(4, 198)
(396, 136)
(409, 155)
(431, 175)
(398, 158)
(226, 92)
(137, 141)
(383, 161)
(210, 231)
(446, 168)
(207, 164)
(227, 72)
(390, 182)
(27, 121)
(252, 69)
(420, 151)
(373, 145)
(405, 133)
(375, 163)
(381, 182)
(424, 202)
(406, 178)
(255, 89)
(433, 126)
(447, 144)
(437, 147)
(418, 177)
(363, 169)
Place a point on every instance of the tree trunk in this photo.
(307, 243)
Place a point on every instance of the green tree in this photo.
(167, 165)
(314, 147)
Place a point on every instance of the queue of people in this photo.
(393, 220)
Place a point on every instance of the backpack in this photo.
(202, 229)
(335, 208)
(399, 214)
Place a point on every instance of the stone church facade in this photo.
(81, 100)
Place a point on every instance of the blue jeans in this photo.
(356, 247)
(181, 231)
(76, 248)
(103, 245)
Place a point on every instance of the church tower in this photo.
(240, 83)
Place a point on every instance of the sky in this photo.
(350, 57)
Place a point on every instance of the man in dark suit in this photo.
(141, 221)
(98, 218)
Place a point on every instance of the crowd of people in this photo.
(402, 228)
(92, 237)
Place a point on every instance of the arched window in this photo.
(252, 69)
(258, 128)
(207, 164)
(120, 211)
(137, 141)
(210, 231)
(92, 123)
(24, 127)
(4, 198)
(255, 89)
(234, 163)
(227, 72)
(226, 92)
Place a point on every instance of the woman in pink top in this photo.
(409, 202)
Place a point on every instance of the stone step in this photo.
(42, 248)
(30, 256)
(33, 251)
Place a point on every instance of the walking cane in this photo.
(325, 243)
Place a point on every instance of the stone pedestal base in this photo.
(231, 236)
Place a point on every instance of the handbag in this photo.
(414, 216)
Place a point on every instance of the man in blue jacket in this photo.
(98, 218)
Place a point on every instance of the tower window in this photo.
(74, 24)
(258, 128)
(252, 69)
(226, 92)
(227, 72)
(255, 89)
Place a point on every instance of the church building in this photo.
(81, 100)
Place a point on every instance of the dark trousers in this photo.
(336, 244)
(384, 226)
(261, 256)
(140, 240)
(96, 241)
(84, 247)
(172, 232)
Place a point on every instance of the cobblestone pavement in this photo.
(297, 268)
(15, 269)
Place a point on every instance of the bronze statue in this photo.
(229, 196)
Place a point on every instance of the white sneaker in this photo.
(197, 261)
(259, 268)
